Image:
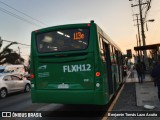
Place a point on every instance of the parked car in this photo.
(27, 76)
(13, 83)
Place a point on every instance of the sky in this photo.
(115, 17)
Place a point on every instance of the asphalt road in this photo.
(18, 102)
(21, 102)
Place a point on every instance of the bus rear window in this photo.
(62, 40)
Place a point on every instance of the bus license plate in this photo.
(63, 86)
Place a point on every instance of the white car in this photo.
(13, 83)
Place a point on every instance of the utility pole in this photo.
(19, 51)
(142, 26)
(145, 59)
(0, 42)
(139, 38)
(142, 33)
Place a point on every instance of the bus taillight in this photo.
(31, 76)
(98, 74)
(36, 31)
(88, 25)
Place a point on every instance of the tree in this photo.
(9, 56)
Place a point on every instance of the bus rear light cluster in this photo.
(36, 31)
(97, 85)
(31, 76)
(98, 74)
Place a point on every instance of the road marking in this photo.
(113, 103)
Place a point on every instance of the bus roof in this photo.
(65, 26)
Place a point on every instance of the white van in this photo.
(2, 69)
(14, 69)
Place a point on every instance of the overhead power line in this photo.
(23, 13)
(18, 17)
(15, 42)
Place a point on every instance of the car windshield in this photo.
(1, 70)
(63, 40)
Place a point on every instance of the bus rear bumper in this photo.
(70, 97)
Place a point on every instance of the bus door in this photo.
(109, 68)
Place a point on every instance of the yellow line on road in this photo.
(113, 103)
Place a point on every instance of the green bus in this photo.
(74, 64)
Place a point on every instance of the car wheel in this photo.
(27, 88)
(3, 93)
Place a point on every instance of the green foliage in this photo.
(9, 56)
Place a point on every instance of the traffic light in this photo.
(129, 53)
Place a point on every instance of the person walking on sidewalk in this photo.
(152, 72)
(143, 69)
(156, 75)
(140, 71)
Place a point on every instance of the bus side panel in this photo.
(32, 62)
(101, 82)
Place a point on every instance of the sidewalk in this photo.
(146, 92)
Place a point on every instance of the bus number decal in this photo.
(76, 68)
(88, 67)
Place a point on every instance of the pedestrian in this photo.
(139, 69)
(143, 69)
(154, 65)
(156, 75)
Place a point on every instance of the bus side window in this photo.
(118, 56)
(101, 44)
(114, 58)
(111, 54)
